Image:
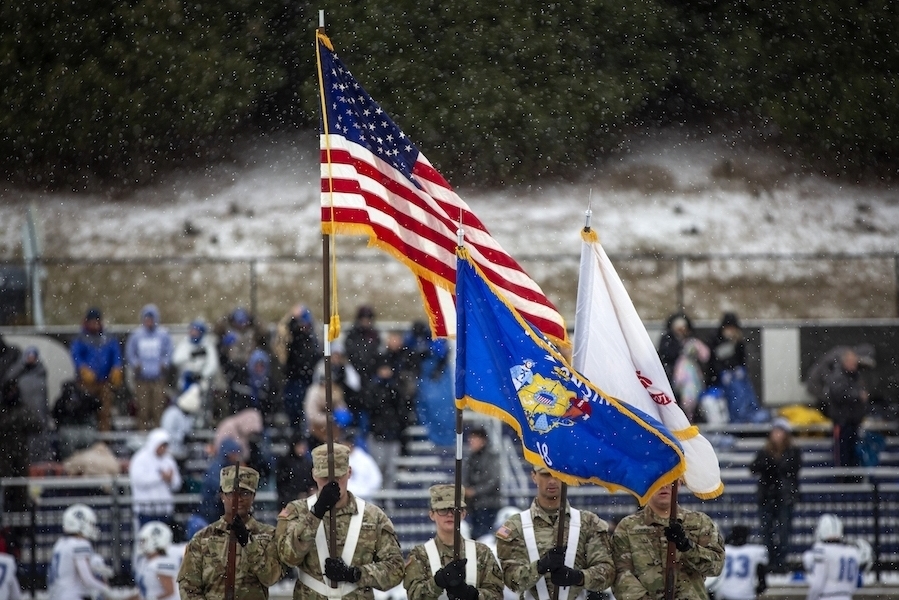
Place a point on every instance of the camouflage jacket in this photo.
(639, 548)
(419, 582)
(202, 573)
(377, 553)
(593, 556)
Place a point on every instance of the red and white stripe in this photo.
(363, 194)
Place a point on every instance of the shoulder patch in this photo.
(503, 532)
(284, 513)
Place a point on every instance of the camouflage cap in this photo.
(247, 479)
(320, 460)
(444, 496)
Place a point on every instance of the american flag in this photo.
(375, 182)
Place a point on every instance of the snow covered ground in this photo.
(668, 192)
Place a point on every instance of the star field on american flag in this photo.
(356, 116)
(375, 182)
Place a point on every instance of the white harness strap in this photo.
(530, 540)
(471, 565)
(349, 549)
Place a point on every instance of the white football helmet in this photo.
(830, 527)
(80, 519)
(866, 554)
(503, 515)
(154, 537)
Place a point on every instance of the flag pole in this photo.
(326, 310)
(670, 554)
(563, 492)
(457, 505)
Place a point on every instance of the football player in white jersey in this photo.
(9, 583)
(743, 577)
(831, 565)
(157, 572)
(70, 576)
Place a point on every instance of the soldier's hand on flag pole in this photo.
(452, 575)
(327, 498)
(462, 592)
(566, 576)
(675, 533)
(337, 570)
(240, 531)
(551, 561)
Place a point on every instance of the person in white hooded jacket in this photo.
(154, 478)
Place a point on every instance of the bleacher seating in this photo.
(869, 506)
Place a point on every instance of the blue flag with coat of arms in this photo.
(507, 369)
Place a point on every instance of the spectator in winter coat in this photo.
(262, 386)
(482, 482)
(818, 377)
(434, 405)
(17, 424)
(777, 466)
(149, 355)
(98, 365)
(228, 452)
(178, 420)
(347, 378)
(315, 406)
(196, 360)
(671, 344)
(31, 374)
(366, 479)
(242, 427)
(298, 351)
(154, 478)
(238, 336)
(293, 472)
(389, 418)
(363, 345)
(847, 399)
(730, 373)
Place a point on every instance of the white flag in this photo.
(614, 351)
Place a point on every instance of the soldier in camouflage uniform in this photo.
(202, 573)
(369, 553)
(532, 563)
(639, 547)
(431, 572)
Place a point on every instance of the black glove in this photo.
(566, 576)
(675, 533)
(462, 592)
(337, 570)
(452, 575)
(552, 560)
(240, 531)
(328, 496)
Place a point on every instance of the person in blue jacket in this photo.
(98, 365)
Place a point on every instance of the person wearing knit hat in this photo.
(532, 561)
(432, 572)
(202, 574)
(370, 556)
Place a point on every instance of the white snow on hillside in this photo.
(665, 193)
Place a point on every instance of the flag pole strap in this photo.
(457, 505)
(670, 554)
